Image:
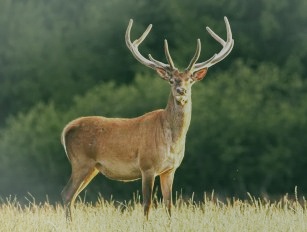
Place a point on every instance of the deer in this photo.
(151, 145)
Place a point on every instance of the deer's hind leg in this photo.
(80, 178)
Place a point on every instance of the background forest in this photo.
(63, 59)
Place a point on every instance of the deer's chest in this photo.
(173, 158)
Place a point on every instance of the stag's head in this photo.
(181, 82)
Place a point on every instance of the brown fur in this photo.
(144, 147)
(128, 149)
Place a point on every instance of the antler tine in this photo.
(229, 33)
(168, 56)
(133, 47)
(169, 59)
(195, 57)
(138, 41)
(227, 47)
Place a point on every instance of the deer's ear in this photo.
(162, 73)
(200, 74)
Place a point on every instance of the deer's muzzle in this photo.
(181, 91)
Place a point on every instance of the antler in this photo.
(151, 62)
(227, 47)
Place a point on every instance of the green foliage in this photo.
(247, 134)
(248, 131)
(29, 148)
(125, 101)
(50, 50)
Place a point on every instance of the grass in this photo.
(209, 215)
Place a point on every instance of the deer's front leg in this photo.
(148, 179)
(166, 181)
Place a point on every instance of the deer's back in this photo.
(99, 136)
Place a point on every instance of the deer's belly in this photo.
(119, 171)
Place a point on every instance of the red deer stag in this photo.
(144, 147)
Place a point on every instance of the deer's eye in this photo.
(171, 81)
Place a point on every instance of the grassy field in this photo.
(209, 215)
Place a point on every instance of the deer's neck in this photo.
(178, 117)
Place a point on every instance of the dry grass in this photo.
(208, 215)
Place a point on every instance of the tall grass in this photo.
(253, 214)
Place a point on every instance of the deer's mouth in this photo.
(182, 100)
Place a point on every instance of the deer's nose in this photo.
(181, 91)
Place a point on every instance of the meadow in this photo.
(210, 214)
